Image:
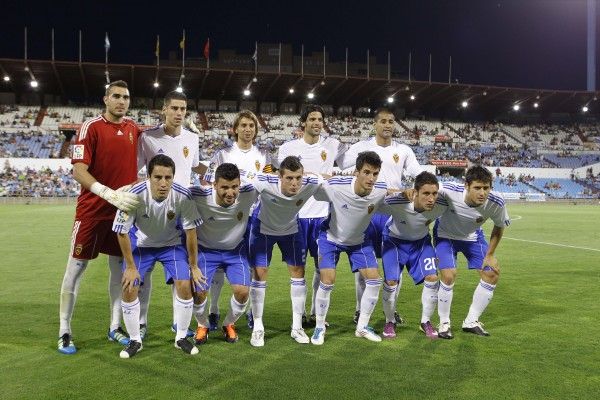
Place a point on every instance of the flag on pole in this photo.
(106, 42)
(157, 51)
(182, 42)
(207, 48)
(255, 55)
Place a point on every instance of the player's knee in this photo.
(448, 276)
(200, 297)
(129, 296)
(431, 278)
(296, 272)
(184, 289)
(240, 293)
(490, 277)
(260, 273)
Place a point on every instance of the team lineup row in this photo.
(297, 208)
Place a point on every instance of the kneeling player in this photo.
(459, 230)
(162, 205)
(406, 242)
(275, 220)
(224, 209)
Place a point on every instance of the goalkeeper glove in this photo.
(122, 200)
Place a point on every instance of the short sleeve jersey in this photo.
(184, 149)
(461, 221)
(110, 152)
(157, 222)
(252, 160)
(406, 223)
(317, 158)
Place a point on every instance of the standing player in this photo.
(275, 220)
(224, 209)
(164, 206)
(104, 159)
(317, 154)
(249, 158)
(398, 162)
(406, 242)
(353, 200)
(182, 146)
(459, 230)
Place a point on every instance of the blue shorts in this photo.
(293, 250)
(311, 229)
(375, 232)
(447, 250)
(417, 255)
(173, 258)
(361, 255)
(233, 262)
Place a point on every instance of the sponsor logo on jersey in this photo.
(122, 217)
(396, 158)
(160, 151)
(323, 155)
(78, 151)
(186, 151)
(240, 215)
(119, 133)
(257, 165)
(299, 202)
(78, 249)
(170, 215)
(370, 208)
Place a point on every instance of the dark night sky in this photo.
(523, 43)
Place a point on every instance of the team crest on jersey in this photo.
(122, 217)
(323, 155)
(299, 202)
(396, 158)
(78, 249)
(131, 137)
(240, 215)
(186, 151)
(370, 208)
(479, 220)
(78, 151)
(257, 165)
(170, 215)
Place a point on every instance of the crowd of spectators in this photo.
(29, 182)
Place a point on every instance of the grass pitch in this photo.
(543, 322)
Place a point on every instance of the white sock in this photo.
(445, 293)
(257, 294)
(429, 299)
(174, 300)
(298, 295)
(322, 300)
(399, 286)
(215, 290)
(144, 293)
(131, 317)
(183, 316)
(200, 314)
(388, 300)
(316, 280)
(481, 298)
(368, 301)
(115, 290)
(68, 292)
(359, 288)
(236, 309)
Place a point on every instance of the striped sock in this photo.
(257, 294)
(429, 299)
(298, 295)
(322, 301)
(368, 301)
(481, 298)
(388, 299)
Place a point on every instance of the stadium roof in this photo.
(84, 82)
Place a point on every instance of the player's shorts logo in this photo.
(240, 215)
(299, 202)
(186, 151)
(257, 165)
(370, 208)
(170, 215)
(396, 158)
(323, 155)
(78, 249)
(479, 220)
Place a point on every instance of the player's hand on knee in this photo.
(131, 278)
(197, 276)
(125, 201)
(492, 262)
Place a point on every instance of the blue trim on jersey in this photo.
(311, 180)
(397, 200)
(155, 127)
(496, 199)
(340, 180)
(200, 191)
(380, 185)
(246, 188)
(268, 178)
(139, 188)
(183, 190)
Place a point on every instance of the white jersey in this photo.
(222, 228)
(317, 158)
(184, 149)
(398, 161)
(461, 221)
(407, 224)
(350, 213)
(157, 221)
(277, 212)
(252, 160)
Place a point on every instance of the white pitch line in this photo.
(552, 244)
(516, 218)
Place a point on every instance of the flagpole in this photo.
(80, 46)
(429, 67)
(450, 71)
(346, 63)
(302, 62)
(409, 65)
(389, 57)
(106, 48)
(367, 64)
(157, 51)
(255, 58)
(208, 55)
(25, 46)
(324, 61)
(279, 67)
(52, 44)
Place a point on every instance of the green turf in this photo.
(543, 322)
